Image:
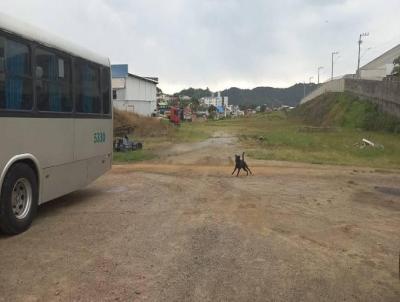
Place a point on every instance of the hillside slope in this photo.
(346, 110)
(270, 96)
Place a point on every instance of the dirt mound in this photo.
(140, 125)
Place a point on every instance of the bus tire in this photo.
(18, 200)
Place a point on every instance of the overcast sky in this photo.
(221, 43)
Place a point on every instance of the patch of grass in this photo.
(348, 111)
(286, 143)
(190, 132)
(274, 136)
(281, 136)
(133, 156)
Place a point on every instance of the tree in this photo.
(263, 108)
(396, 70)
(212, 112)
(195, 104)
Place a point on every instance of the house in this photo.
(133, 93)
(381, 67)
(215, 101)
(185, 98)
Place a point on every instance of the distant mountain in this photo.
(268, 95)
(258, 96)
(195, 93)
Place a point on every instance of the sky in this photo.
(221, 43)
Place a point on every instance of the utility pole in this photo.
(333, 54)
(360, 41)
(319, 70)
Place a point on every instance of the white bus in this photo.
(55, 120)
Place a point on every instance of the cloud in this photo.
(220, 43)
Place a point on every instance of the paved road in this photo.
(183, 229)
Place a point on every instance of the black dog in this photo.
(241, 164)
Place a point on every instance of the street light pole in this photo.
(360, 41)
(333, 54)
(319, 69)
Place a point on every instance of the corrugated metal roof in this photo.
(142, 78)
(121, 71)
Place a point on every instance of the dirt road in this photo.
(182, 229)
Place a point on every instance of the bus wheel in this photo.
(18, 200)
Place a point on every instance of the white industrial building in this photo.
(133, 93)
(381, 66)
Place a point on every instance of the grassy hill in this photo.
(348, 111)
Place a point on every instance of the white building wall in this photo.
(381, 66)
(138, 96)
(373, 74)
(216, 101)
(226, 101)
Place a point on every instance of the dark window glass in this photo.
(15, 76)
(106, 90)
(87, 87)
(53, 78)
(50, 66)
(2, 55)
(2, 73)
(53, 96)
(18, 59)
(114, 94)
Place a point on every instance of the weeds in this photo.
(133, 156)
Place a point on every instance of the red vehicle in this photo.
(174, 116)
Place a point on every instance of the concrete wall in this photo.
(385, 93)
(331, 86)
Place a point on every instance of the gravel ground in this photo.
(182, 229)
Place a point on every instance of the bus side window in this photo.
(87, 87)
(2, 73)
(106, 90)
(53, 82)
(16, 77)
